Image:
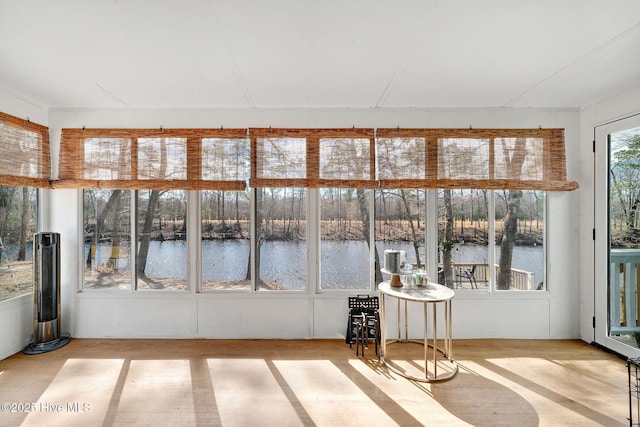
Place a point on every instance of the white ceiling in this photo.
(311, 53)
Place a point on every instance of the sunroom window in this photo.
(225, 240)
(107, 239)
(281, 239)
(25, 166)
(319, 197)
(491, 240)
(344, 239)
(18, 223)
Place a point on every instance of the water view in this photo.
(343, 263)
(280, 226)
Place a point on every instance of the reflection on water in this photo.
(343, 264)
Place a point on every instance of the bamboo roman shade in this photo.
(532, 159)
(313, 158)
(24, 153)
(279, 158)
(346, 159)
(190, 159)
(524, 159)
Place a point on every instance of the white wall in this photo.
(539, 315)
(16, 315)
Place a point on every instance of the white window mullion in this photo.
(252, 232)
(81, 221)
(372, 239)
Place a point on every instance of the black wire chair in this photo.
(469, 274)
(363, 323)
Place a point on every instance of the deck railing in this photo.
(623, 291)
(520, 279)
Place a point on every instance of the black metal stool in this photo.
(363, 322)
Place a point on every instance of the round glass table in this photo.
(430, 296)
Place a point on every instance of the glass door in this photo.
(617, 290)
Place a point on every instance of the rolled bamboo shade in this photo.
(528, 159)
(523, 159)
(24, 153)
(163, 159)
(346, 159)
(313, 158)
(279, 158)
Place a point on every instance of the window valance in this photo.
(191, 159)
(24, 153)
(195, 159)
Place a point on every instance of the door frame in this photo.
(601, 228)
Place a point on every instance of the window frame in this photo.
(313, 249)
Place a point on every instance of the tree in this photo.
(447, 244)
(364, 216)
(263, 214)
(398, 154)
(415, 239)
(115, 234)
(6, 201)
(24, 224)
(145, 234)
(513, 158)
(508, 239)
(625, 184)
(101, 217)
(154, 196)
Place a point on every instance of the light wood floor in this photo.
(310, 382)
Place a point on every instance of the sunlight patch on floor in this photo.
(159, 389)
(329, 395)
(246, 389)
(81, 389)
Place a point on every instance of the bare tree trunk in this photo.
(633, 209)
(514, 167)
(300, 205)
(6, 197)
(100, 219)
(115, 239)
(508, 239)
(224, 214)
(237, 210)
(364, 215)
(260, 233)
(629, 215)
(414, 236)
(183, 231)
(154, 197)
(145, 235)
(447, 265)
(24, 222)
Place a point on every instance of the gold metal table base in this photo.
(427, 378)
(430, 295)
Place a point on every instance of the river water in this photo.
(344, 264)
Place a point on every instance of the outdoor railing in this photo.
(520, 279)
(623, 290)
